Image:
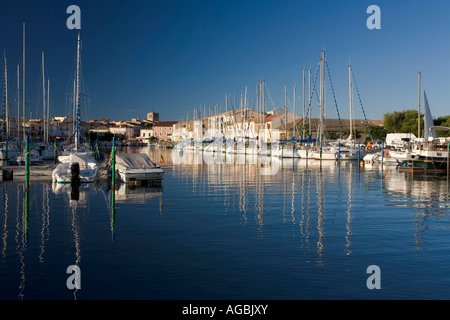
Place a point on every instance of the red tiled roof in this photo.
(165, 123)
(272, 117)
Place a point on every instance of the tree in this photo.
(356, 134)
(332, 135)
(378, 133)
(402, 122)
(444, 122)
(305, 130)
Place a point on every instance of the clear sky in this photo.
(173, 56)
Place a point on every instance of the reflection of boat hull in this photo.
(286, 152)
(131, 194)
(371, 158)
(326, 155)
(333, 154)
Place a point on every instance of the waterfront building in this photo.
(163, 130)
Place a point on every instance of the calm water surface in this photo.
(230, 231)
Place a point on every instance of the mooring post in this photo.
(359, 153)
(113, 211)
(27, 164)
(448, 158)
(339, 151)
(113, 164)
(55, 153)
(6, 151)
(97, 157)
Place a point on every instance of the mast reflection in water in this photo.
(223, 228)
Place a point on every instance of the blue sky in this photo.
(173, 56)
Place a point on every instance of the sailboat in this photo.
(428, 154)
(78, 166)
(8, 150)
(45, 150)
(286, 148)
(345, 149)
(318, 151)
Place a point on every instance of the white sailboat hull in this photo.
(286, 152)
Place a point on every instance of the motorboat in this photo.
(133, 167)
(76, 167)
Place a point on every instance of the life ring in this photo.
(387, 154)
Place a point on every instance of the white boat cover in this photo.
(134, 161)
(81, 158)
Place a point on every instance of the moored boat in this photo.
(135, 167)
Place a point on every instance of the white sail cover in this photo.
(428, 132)
(134, 161)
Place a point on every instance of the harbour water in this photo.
(230, 231)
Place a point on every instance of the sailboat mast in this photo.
(77, 96)
(285, 113)
(18, 102)
(258, 108)
(351, 100)
(23, 85)
(43, 97)
(6, 100)
(293, 115)
(74, 102)
(309, 101)
(322, 95)
(263, 98)
(304, 106)
(418, 116)
(48, 107)
(226, 118)
(263, 107)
